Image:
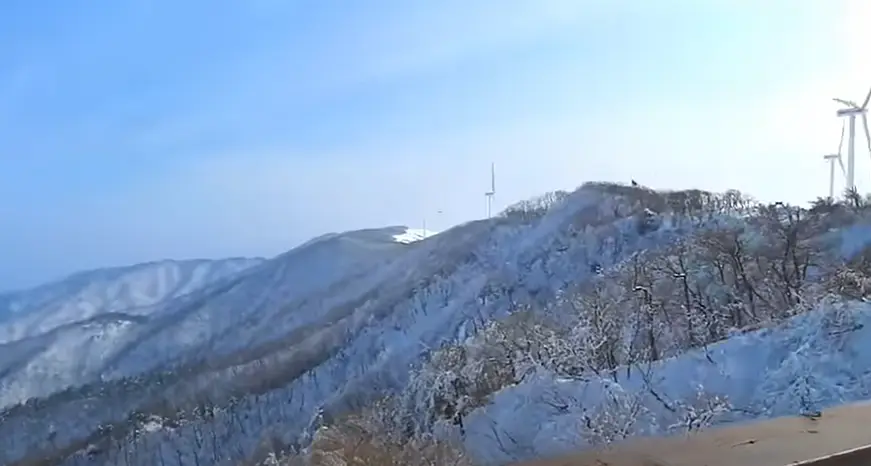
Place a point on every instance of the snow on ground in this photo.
(854, 238)
(808, 363)
(412, 235)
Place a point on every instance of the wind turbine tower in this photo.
(492, 192)
(850, 111)
(831, 158)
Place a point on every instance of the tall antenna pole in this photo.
(492, 192)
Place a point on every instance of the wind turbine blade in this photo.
(845, 102)
(841, 142)
(867, 133)
(840, 147)
(867, 98)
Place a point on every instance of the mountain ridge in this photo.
(422, 332)
(85, 294)
(168, 318)
(427, 270)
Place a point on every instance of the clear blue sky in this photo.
(133, 130)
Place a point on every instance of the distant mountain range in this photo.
(130, 290)
(121, 321)
(565, 308)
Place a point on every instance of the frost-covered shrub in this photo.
(371, 439)
(534, 208)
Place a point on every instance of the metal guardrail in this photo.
(859, 456)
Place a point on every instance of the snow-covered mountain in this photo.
(130, 290)
(455, 329)
(283, 294)
(207, 311)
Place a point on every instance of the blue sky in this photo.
(133, 130)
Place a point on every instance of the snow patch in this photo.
(412, 235)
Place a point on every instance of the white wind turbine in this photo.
(489, 194)
(832, 158)
(850, 112)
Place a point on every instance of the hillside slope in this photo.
(811, 362)
(131, 290)
(183, 326)
(450, 328)
(284, 359)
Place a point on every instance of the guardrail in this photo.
(859, 456)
